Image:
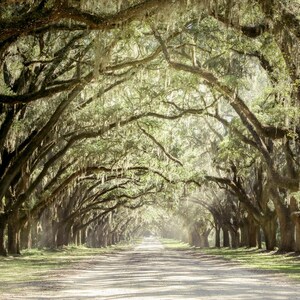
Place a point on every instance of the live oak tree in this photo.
(267, 135)
(51, 71)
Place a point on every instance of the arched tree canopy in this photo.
(120, 118)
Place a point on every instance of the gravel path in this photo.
(151, 272)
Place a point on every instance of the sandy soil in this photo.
(151, 272)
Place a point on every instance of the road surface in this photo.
(152, 272)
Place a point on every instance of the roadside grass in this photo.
(288, 263)
(36, 265)
(175, 244)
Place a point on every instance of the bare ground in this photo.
(152, 272)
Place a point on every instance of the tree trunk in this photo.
(204, 239)
(13, 241)
(89, 238)
(99, 234)
(25, 236)
(48, 229)
(286, 224)
(47, 236)
(194, 238)
(72, 237)
(287, 231)
(115, 238)
(78, 239)
(225, 237)
(245, 237)
(63, 235)
(296, 220)
(252, 229)
(258, 237)
(297, 244)
(104, 241)
(269, 227)
(3, 251)
(248, 232)
(34, 233)
(235, 238)
(217, 237)
(83, 236)
(109, 239)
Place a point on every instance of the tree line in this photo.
(108, 108)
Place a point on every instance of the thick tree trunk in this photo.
(269, 227)
(99, 235)
(194, 238)
(296, 220)
(286, 224)
(72, 236)
(63, 235)
(3, 251)
(25, 236)
(204, 240)
(34, 233)
(13, 237)
(287, 231)
(47, 236)
(297, 244)
(248, 232)
(109, 230)
(78, 233)
(104, 241)
(90, 238)
(258, 237)
(48, 229)
(235, 238)
(76, 238)
(115, 238)
(252, 229)
(245, 237)
(121, 237)
(217, 237)
(109, 239)
(83, 236)
(226, 242)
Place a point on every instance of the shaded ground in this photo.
(151, 272)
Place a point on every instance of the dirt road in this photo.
(151, 272)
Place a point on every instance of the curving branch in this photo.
(239, 191)
(227, 124)
(44, 93)
(45, 18)
(160, 146)
(258, 130)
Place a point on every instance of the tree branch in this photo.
(160, 146)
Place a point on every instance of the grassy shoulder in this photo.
(36, 264)
(288, 264)
(171, 244)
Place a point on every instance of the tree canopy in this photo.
(124, 117)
